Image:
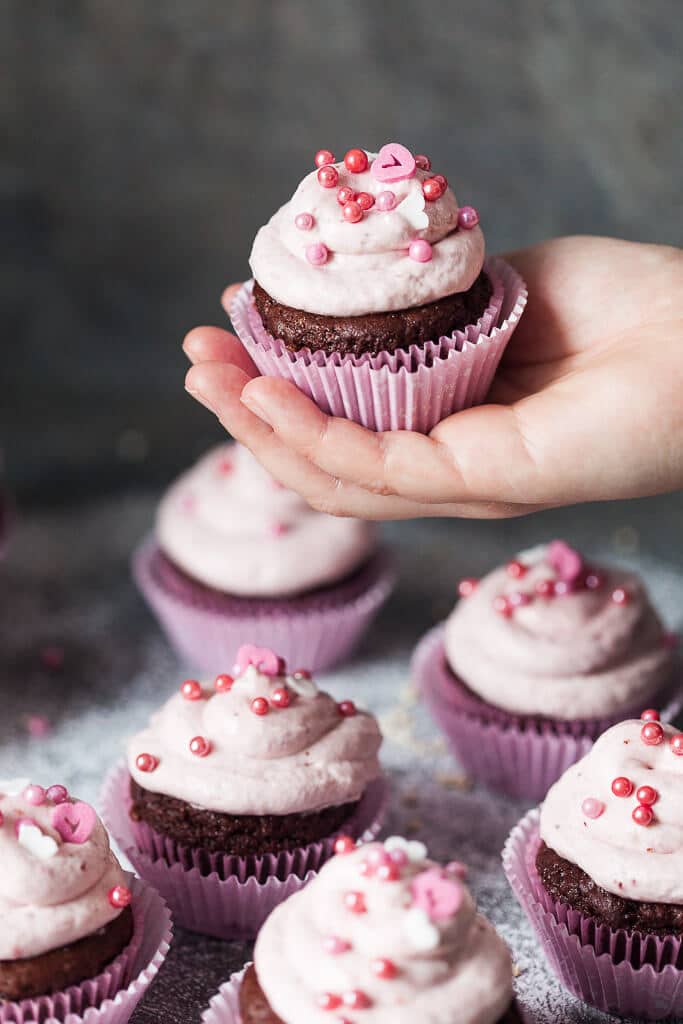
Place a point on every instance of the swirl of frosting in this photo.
(264, 756)
(631, 860)
(369, 269)
(400, 939)
(596, 647)
(231, 526)
(52, 891)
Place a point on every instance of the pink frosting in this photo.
(446, 961)
(368, 269)
(580, 655)
(293, 759)
(634, 861)
(229, 525)
(52, 892)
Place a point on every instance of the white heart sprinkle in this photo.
(302, 686)
(36, 842)
(414, 850)
(13, 787)
(413, 210)
(533, 555)
(419, 930)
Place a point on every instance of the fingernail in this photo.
(253, 406)
(199, 397)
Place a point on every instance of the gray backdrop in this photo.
(143, 144)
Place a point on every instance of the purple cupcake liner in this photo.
(315, 631)
(411, 389)
(521, 756)
(224, 1007)
(112, 996)
(627, 973)
(224, 896)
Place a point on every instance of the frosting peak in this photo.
(364, 265)
(549, 635)
(268, 744)
(384, 929)
(57, 871)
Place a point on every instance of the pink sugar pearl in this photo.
(57, 794)
(317, 254)
(385, 201)
(34, 795)
(304, 221)
(592, 808)
(420, 250)
(468, 218)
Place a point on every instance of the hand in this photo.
(586, 405)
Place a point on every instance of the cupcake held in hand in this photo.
(384, 935)
(372, 294)
(232, 796)
(72, 919)
(235, 555)
(600, 871)
(538, 659)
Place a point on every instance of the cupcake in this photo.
(599, 871)
(537, 660)
(235, 554)
(232, 796)
(372, 293)
(382, 930)
(76, 929)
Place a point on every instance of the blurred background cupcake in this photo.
(537, 659)
(235, 556)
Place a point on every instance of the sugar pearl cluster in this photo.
(393, 163)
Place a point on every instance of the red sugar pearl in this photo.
(356, 161)
(545, 588)
(345, 195)
(281, 697)
(384, 969)
(223, 683)
(146, 762)
(120, 896)
(191, 689)
(328, 176)
(594, 581)
(329, 1001)
(677, 744)
(352, 213)
(643, 815)
(344, 845)
(647, 795)
(467, 586)
(324, 156)
(260, 706)
(356, 999)
(302, 673)
(200, 746)
(516, 569)
(365, 200)
(650, 715)
(501, 604)
(433, 189)
(442, 179)
(355, 902)
(620, 596)
(652, 734)
(346, 708)
(423, 162)
(388, 872)
(622, 786)
(57, 794)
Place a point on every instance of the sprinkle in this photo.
(643, 815)
(592, 808)
(223, 683)
(262, 658)
(438, 895)
(356, 161)
(191, 689)
(34, 795)
(419, 930)
(304, 221)
(323, 157)
(647, 795)
(676, 744)
(146, 762)
(120, 896)
(317, 254)
(516, 569)
(33, 839)
(383, 968)
(622, 787)
(355, 902)
(468, 218)
(467, 586)
(620, 596)
(38, 726)
(386, 201)
(423, 162)
(200, 746)
(281, 697)
(57, 794)
(344, 845)
(328, 1001)
(356, 999)
(260, 706)
(652, 734)
(346, 708)
(334, 946)
(502, 606)
(278, 529)
(75, 822)
(420, 250)
(328, 176)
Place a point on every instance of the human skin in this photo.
(586, 405)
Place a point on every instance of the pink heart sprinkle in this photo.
(439, 896)
(74, 822)
(262, 658)
(393, 163)
(566, 562)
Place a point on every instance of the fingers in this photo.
(214, 345)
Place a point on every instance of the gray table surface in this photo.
(65, 582)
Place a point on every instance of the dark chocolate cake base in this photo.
(373, 332)
(254, 1008)
(568, 883)
(240, 835)
(69, 965)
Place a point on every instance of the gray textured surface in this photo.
(144, 143)
(66, 582)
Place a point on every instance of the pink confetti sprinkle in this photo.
(279, 529)
(38, 726)
(439, 896)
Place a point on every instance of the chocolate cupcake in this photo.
(233, 794)
(600, 871)
(372, 294)
(385, 931)
(537, 660)
(69, 912)
(235, 554)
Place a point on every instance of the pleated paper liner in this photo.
(521, 756)
(631, 974)
(313, 631)
(216, 894)
(113, 995)
(411, 389)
